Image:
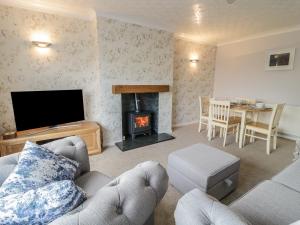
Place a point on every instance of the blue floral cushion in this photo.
(42, 205)
(37, 167)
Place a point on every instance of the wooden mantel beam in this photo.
(127, 89)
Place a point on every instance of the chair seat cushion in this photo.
(92, 181)
(258, 126)
(231, 121)
(203, 164)
(290, 176)
(269, 203)
(42, 205)
(37, 166)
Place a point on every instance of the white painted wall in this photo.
(240, 72)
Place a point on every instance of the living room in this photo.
(160, 81)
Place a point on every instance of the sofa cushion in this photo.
(290, 176)
(71, 147)
(196, 207)
(42, 205)
(92, 181)
(37, 167)
(269, 203)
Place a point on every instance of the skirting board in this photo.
(184, 124)
(283, 135)
(289, 136)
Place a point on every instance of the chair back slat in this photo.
(204, 104)
(219, 111)
(276, 115)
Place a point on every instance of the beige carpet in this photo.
(256, 166)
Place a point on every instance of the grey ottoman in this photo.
(206, 168)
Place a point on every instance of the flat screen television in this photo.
(35, 109)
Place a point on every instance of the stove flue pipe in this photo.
(137, 103)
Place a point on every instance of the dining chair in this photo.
(247, 101)
(269, 130)
(219, 116)
(203, 116)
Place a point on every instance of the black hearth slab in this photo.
(142, 141)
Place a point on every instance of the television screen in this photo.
(34, 109)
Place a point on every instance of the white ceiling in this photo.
(207, 21)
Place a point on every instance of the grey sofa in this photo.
(272, 202)
(129, 199)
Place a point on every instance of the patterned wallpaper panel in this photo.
(93, 56)
(70, 63)
(132, 54)
(191, 79)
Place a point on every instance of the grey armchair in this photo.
(129, 199)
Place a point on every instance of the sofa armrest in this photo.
(198, 208)
(129, 199)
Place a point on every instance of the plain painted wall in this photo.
(240, 72)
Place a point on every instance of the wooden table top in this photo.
(249, 108)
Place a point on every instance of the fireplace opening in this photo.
(140, 121)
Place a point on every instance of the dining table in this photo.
(244, 110)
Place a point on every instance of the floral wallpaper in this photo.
(132, 54)
(191, 80)
(93, 56)
(70, 63)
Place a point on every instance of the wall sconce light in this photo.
(41, 44)
(194, 60)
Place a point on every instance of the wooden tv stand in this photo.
(88, 131)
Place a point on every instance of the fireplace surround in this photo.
(140, 115)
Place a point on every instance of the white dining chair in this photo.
(219, 116)
(203, 115)
(268, 130)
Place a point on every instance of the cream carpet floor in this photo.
(256, 166)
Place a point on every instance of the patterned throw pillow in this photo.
(42, 205)
(37, 167)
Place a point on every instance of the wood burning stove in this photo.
(139, 122)
(140, 113)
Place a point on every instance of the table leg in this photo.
(255, 119)
(242, 129)
(209, 132)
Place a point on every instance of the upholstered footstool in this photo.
(206, 168)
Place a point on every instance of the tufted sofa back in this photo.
(7, 165)
(71, 147)
(196, 207)
(129, 199)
